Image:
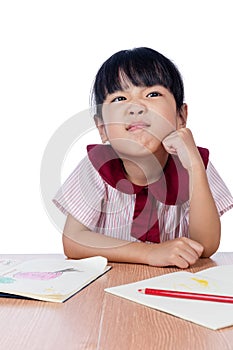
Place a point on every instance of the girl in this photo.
(149, 195)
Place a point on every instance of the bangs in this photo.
(139, 67)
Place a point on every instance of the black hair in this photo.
(142, 66)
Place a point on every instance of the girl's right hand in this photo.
(181, 252)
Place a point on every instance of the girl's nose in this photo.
(136, 110)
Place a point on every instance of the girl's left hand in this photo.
(181, 143)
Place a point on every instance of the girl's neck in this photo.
(145, 170)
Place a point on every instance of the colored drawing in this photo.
(201, 282)
(196, 283)
(42, 276)
(4, 279)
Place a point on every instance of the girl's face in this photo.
(137, 119)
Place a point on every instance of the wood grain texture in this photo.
(93, 319)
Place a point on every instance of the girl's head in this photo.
(141, 67)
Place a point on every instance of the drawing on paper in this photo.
(198, 284)
(42, 276)
(4, 279)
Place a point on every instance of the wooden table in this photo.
(94, 319)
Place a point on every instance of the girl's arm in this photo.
(80, 242)
(204, 221)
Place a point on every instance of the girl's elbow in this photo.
(210, 250)
(73, 250)
(68, 248)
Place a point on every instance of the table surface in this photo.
(93, 319)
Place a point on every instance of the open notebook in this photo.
(215, 280)
(50, 279)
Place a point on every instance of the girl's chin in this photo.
(136, 149)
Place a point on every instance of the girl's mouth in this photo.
(137, 126)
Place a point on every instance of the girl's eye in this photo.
(118, 99)
(153, 94)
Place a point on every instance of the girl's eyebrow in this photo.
(116, 92)
(127, 88)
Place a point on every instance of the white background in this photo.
(50, 53)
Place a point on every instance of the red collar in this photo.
(171, 189)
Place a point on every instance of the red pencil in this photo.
(187, 295)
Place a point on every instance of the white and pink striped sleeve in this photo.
(82, 194)
(221, 194)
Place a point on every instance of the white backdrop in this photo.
(50, 53)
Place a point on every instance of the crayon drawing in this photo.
(4, 279)
(196, 284)
(43, 275)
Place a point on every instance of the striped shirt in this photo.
(98, 195)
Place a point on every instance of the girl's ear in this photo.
(101, 127)
(182, 116)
